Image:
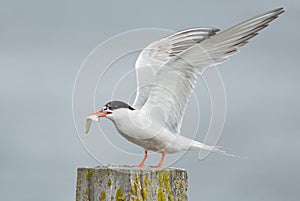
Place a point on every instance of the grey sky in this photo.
(43, 44)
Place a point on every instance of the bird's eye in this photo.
(108, 107)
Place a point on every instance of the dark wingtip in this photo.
(279, 10)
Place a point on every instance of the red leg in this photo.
(163, 154)
(143, 161)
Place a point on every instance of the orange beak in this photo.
(101, 113)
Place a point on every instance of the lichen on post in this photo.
(124, 183)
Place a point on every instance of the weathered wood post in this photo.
(122, 183)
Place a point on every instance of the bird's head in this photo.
(111, 110)
(112, 107)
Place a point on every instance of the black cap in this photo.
(113, 105)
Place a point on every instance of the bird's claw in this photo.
(156, 166)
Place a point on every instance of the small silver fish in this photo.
(89, 119)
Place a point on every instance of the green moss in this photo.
(85, 195)
(138, 192)
(160, 179)
(167, 185)
(102, 197)
(160, 195)
(119, 195)
(138, 185)
(164, 183)
(183, 194)
(146, 181)
(133, 185)
(109, 182)
(89, 174)
(145, 188)
(144, 193)
(177, 184)
(133, 189)
(112, 197)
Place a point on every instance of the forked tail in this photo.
(216, 149)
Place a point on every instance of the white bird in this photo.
(167, 72)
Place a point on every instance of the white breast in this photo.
(140, 129)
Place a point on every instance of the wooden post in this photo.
(124, 183)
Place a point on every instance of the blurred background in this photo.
(42, 45)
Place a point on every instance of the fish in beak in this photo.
(94, 117)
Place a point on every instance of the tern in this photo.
(167, 71)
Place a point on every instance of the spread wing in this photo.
(176, 78)
(159, 53)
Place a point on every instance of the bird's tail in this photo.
(216, 149)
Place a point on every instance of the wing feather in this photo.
(176, 79)
(160, 52)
